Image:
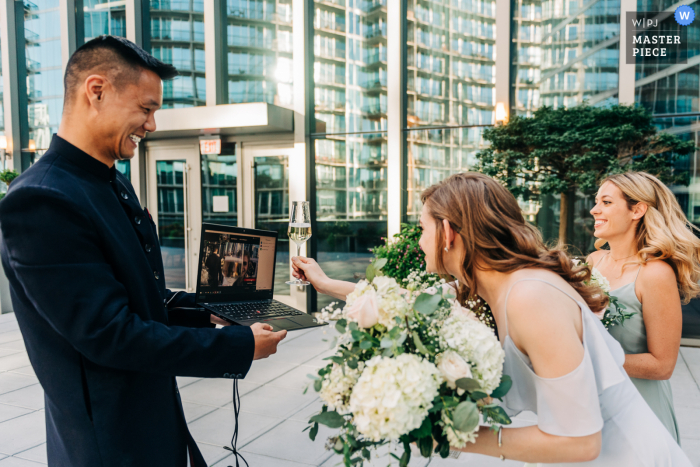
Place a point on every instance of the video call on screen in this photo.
(236, 263)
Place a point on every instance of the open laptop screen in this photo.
(236, 265)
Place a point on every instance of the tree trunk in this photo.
(563, 217)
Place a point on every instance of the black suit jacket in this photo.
(213, 265)
(87, 284)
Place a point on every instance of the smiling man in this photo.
(104, 335)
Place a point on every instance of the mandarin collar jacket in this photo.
(104, 335)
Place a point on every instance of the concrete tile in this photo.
(274, 402)
(267, 369)
(258, 460)
(9, 326)
(474, 460)
(6, 317)
(294, 335)
(6, 352)
(12, 381)
(8, 412)
(305, 413)
(691, 447)
(25, 370)
(381, 458)
(14, 345)
(194, 411)
(689, 422)
(301, 352)
(683, 386)
(288, 441)
(217, 427)
(296, 379)
(17, 462)
(214, 391)
(184, 381)
(31, 397)
(36, 454)
(691, 356)
(11, 336)
(14, 361)
(22, 433)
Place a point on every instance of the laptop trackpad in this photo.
(279, 324)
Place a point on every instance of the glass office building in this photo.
(354, 105)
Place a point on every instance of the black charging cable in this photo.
(234, 438)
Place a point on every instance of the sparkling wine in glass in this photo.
(299, 230)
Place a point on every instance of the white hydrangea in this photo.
(477, 344)
(337, 385)
(393, 396)
(457, 439)
(597, 278)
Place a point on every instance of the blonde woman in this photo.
(652, 264)
(564, 365)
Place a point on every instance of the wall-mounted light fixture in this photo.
(501, 114)
(32, 146)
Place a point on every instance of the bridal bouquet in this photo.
(615, 312)
(411, 365)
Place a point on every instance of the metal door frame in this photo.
(192, 196)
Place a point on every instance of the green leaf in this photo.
(352, 363)
(313, 432)
(466, 416)
(502, 388)
(425, 429)
(336, 359)
(406, 457)
(317, 385)
(444, 450)
(468, 384)
(366, 345)
(365, 453)
(339, 327)
(379, 263)
(343, 322)
(476, 395)
(357, 335)
(388, 352)
(419, 345)
(370, 273)
(330, 419)
(386, 343)
(426, 303)
(353, 326)
(499, 415)
(426, 446)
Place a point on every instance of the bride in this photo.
(564, 365)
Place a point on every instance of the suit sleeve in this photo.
(53, 251)
(183, 311)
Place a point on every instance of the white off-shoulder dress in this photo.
(597, 395)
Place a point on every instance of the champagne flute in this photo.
(299, 230)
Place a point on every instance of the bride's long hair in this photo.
(495, 234)
(663, 233)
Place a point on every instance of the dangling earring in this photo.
(447, 249)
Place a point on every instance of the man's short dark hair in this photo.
(118, 58)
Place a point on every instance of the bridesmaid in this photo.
(652, 264)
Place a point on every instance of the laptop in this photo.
(236, 279)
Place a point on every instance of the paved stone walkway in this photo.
(274, 409)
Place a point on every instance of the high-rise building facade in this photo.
(354, 105)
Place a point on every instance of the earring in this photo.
(447, 249)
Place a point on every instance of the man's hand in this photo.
(265, 340)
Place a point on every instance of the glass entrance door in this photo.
(174, 198)
(267, 203)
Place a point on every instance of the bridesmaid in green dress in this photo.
(652, 264)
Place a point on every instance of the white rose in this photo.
(453, 367)
(364, 309)
(385, 284)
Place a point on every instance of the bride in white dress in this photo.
(565, 366)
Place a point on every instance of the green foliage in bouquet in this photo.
(615, 314)
(452, 382)
(403, 254)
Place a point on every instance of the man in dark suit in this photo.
(105, 337)
(213, 265)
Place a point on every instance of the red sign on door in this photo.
(210, 146)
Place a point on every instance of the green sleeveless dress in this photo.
(632, 335)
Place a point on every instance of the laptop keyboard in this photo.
(240, 311)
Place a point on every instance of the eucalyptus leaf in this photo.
(426, 303)
(352, 364)
(499, 415)
(402, 338)
(502, 388)
(330, 419)
(318, 384)
(466, 416)
(340, 328)
(366, 345)
(419, 345)
(379, 263)
(476, 395)
(357, 335)
(388, 352)
(313, 432)
(353, 326)
(386, 343)
(425, 429)
(468, 384)
(370, 273)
